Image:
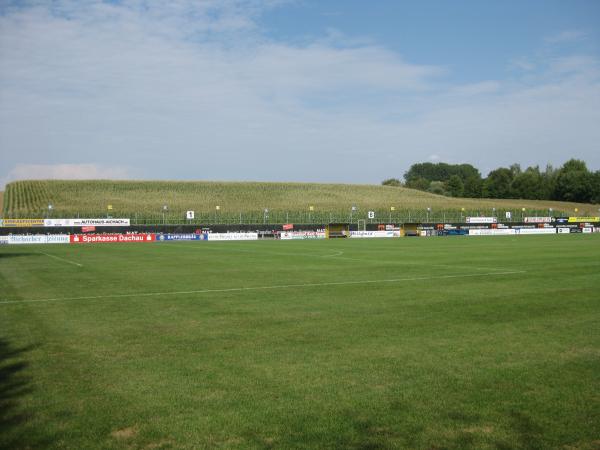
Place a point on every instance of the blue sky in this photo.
(472, 39)
(329, 91)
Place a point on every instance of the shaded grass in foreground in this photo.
(508, 361)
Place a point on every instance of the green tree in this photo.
(392, 182)
(497, 184)
(574, 183)
(419, 183)
(437, 187)
(473, 187)
(528, 184)
(596, 187)
(455, 186)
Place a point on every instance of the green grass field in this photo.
(440, 343)
(245, 202)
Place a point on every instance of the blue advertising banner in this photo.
(180, 237)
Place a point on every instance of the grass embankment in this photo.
(247, 200)
(480, 343)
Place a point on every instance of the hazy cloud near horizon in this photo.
(189, 90)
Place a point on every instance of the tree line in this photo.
(571, 182)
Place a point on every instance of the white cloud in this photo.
(193, 90)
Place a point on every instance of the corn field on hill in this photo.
(146, 199)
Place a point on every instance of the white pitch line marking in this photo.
(259, 288)
(62, 259)
(333, 255)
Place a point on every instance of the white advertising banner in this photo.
(38, 239)
(563, 230)
(537, 219)
(287, 235)
(3, 240)
(492, 232)
(86, 222)
(536, 230)
(482, 219)
(587, 229)
(372, 234)
(232, 236)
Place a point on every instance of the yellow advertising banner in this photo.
(23, 223)
(584, 219)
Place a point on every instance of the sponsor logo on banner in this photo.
(88, 229)
(372, 234)
(584, 219)
(587, 230)
(107, 238)
(575, 230)
(492, 231)
(180, 237)
(38, 239)
(232, 236)
(288, 226)
(563, 230)
(537, 219)
(287, 235)
(23, 222)
(482, 219)
(536, 230)
(86, 222)
(3, 240)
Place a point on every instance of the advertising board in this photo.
(108, 238)
(584, 219)
(587, 229)
(537, 219)
(535, 230)
(287, 235)
(23, 223)
(180, 237)
(87, 222)
(288, 226)
(372, 234)
(232, 236)
(563, 230)
(482, 219)
(3, 240)
(492, 232)
(38, 239)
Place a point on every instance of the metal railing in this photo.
(276, 217)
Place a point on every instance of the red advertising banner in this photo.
(88, 229)
(288, 226)
(108, 238)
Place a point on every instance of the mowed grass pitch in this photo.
(407, 343)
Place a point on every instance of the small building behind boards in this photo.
(337, 230)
